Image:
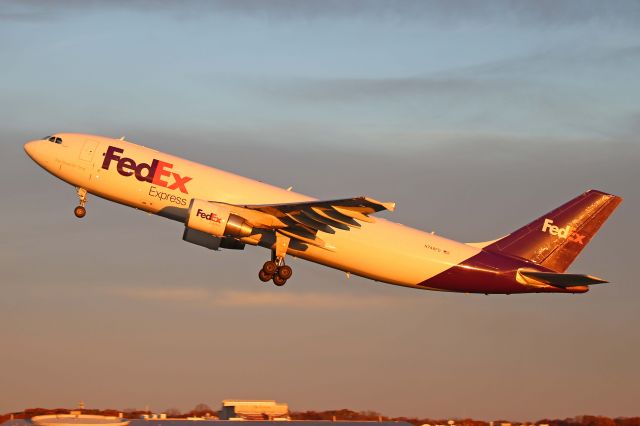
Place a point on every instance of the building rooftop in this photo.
(234, 402)
(78, 420)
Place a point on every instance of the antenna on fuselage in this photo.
(122, 138)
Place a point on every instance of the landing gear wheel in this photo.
(279, 281)
(264, 277)
(270, 267)
(80, 212)
(285, 272)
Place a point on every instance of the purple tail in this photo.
(557, 238)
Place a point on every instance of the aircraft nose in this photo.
(34, 150)
(30, 148)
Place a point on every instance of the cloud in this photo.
(539, 94)
(273, 298)
(548, 70)
(443, 12)
(436, 12)
(23, 16)
(181, 294)
(303, 300)
(357, 89)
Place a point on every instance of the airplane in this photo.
(221, 210)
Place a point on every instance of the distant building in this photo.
(75, 418)
(233, 409)
(154, 416)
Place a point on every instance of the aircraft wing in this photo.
(303, 220)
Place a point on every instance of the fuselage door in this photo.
(88, 149)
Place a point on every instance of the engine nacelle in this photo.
(211, 242)
(216, 219)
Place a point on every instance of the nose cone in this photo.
(30, 149)
(37, 150)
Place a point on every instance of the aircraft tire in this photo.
(278, 280)
(285, 272)
(264, 277)
(270, 267)
(80, 212)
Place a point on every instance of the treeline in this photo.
(346, 414)
(593, 421)
(203, 410)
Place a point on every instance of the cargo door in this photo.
(88, 149)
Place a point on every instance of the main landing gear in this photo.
(80, 211)
(275, 269)
(278, 273)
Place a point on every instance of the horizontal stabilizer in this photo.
(561, 280)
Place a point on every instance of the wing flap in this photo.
(311, 223)
(315, 216)
(354, 214)
(336, 216)
(306, 237)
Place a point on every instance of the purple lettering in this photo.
(151, 170)
(126, 166)
(111, 156)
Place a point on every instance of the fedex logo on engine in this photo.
(209, 216)
(158, 172)
(564, 233)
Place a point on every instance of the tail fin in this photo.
(557, 238)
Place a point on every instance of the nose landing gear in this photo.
(80, 211)
(275, 269)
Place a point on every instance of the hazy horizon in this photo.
(473, 117)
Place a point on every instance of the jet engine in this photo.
(216, 219)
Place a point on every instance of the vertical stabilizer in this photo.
(555, 239)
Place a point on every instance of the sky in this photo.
(475, 117)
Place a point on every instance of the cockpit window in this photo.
(54, 139)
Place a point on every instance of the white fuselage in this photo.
(383, 250)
